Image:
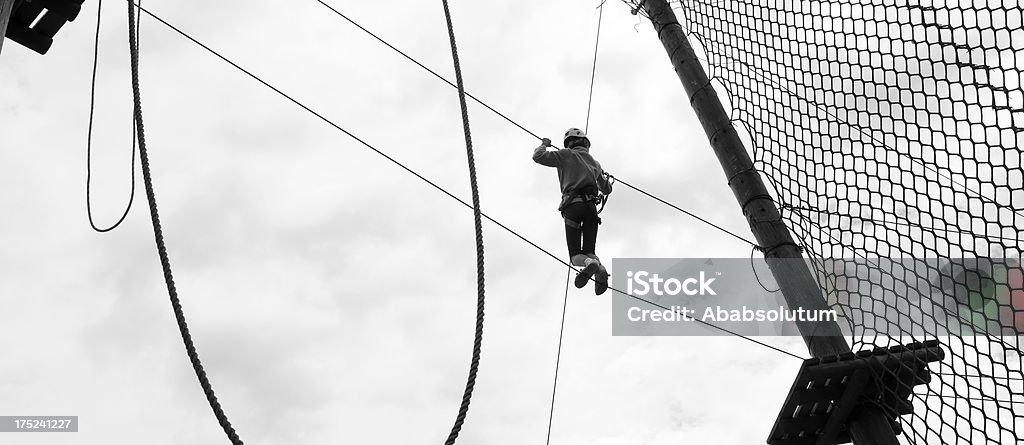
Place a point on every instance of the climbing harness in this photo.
(598, 199)
(603, 197)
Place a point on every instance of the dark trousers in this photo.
(581, 222)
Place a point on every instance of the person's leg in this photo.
(572, 216)
(590, 223)
(576, 216)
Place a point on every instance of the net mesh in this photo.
(893, 129)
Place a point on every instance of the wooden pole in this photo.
(6, 6)
(868, 425)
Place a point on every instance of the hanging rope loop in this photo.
(88, 139)
(161, 246)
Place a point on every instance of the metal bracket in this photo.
(828, 390)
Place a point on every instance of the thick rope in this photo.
(88, 139)
(478, 227)
(593, 69)
(165, 262)
(558, 355)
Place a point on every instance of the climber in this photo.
(582, 182)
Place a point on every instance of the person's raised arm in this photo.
(542, 156)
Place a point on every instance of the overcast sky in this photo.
(330, 294)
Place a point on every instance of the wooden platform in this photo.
(34, 23)
(828, 389)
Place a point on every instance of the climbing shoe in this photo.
(601, 277)
(586, 273)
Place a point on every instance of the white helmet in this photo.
(575, 133)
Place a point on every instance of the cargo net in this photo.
(893, 129)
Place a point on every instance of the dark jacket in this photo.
(578, 172)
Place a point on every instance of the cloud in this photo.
(330, 294)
